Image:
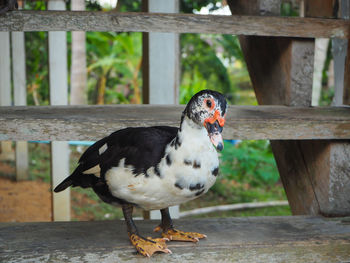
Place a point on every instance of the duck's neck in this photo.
(191, 134)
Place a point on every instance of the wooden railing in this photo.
(62, 123)
(177, 23)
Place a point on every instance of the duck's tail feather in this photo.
(77, 179)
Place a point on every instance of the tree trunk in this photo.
(78, 68)
(101, 88)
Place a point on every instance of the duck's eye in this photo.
(209, 103)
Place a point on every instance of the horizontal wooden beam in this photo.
(177, 23)
(63, 123)
(254, 239)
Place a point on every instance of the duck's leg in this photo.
(145, 246)
(173, 234)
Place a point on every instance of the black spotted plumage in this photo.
(141, 147)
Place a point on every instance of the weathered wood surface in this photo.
(58, 73)
(315, 174)
(160, 57)
(243, 122)
(20, 98)
(176, 23)
(6, 152)
(259, 239)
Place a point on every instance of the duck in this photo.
(156, 167)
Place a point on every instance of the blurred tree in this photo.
(114, 67)
(37, 62)
(78, 61)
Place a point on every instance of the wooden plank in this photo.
(5, 69)
(176, 23)
(59, 96)
(255, 7)
(346, 91)
(250, 239)
(5, 88)
(339, 51)
(321, 8)
(59, 171)
(20, 98)
(270, 62)
(243, 122)
(161, 58)
(307, 168)
(345, 13)
(273, 55)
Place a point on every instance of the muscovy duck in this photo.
(156, 167)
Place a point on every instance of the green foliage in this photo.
(288, 9)
(248, 173)
(250, 161)
(37, 62)
(211, 62)
(117, 57)
(39, 162)
(327, 93)
(199, 57)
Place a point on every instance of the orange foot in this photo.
(177, 235)
(147, 246)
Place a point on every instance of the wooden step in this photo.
(179, 23)
(63, 123)
(252, 239)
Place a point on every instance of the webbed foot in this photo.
(178, 235)
(148, 246)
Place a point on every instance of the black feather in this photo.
(141, 147)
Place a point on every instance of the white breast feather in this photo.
(156, 192)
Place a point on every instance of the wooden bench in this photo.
(252, 239)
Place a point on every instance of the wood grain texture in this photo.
(346, 91)
(243, 122)
(250, 239)
(176, 23)
(312, 171)
(58, 76)
(321, 8)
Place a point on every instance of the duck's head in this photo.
(207, 109)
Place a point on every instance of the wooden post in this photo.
(312, 172)
(59, 96)
(20, 98)
(161, 71)
(341, 58)
(346, 92)
(161, 59)
(5, 88)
